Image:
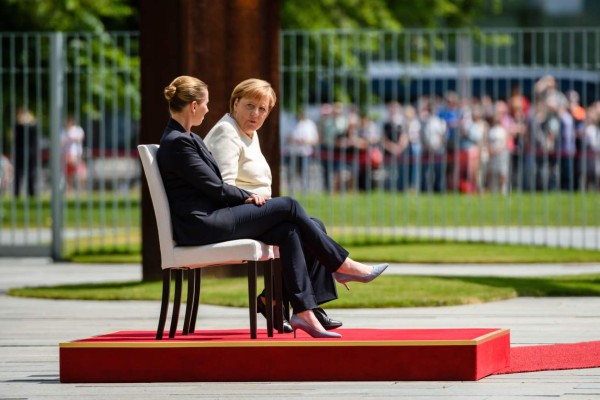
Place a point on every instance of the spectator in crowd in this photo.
(347, 153)
(7, 174)
(487, 106)
(475, 155)
(539, 144)
(567, 147)
(412, 126)
(332, 126)
(578, 113)
(300, 144)
(549, 143)
(518, 101)
(370, 138)
(26, 152)
(576, 109)
(522, 162)
(499, 157)
(502, 111)
(72, 137)
(434, 134)
(348, 148)
(362, 154)
(591, 145)
(395, 144)
(546, 91)
(451, 113)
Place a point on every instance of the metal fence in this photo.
(472, 135)
(486, 135)
(70, 111)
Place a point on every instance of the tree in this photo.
(67, 15)
(88, 46)
(354, 34)
(383, 14)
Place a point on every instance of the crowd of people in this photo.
(547, 142)
(27, 148)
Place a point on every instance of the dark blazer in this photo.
(198, 197)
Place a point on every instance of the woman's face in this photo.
(250, 113)
(199, 110)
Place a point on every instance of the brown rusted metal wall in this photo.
(220, 42)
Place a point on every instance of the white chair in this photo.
(193, 258)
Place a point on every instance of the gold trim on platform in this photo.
(286, 343)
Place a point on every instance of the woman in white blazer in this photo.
(235, 145)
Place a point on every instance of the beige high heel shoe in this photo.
(345, 278)
(299, 323)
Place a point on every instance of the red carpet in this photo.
(553, 357)
(230, 355)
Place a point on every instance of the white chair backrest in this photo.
(160, 203)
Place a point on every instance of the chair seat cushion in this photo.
(230, 252)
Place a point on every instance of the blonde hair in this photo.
(253, 88)
(25, 117)
(184, 90)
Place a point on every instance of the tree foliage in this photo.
(66, 15)
(92, 51)
(383, 14)
(353, 24)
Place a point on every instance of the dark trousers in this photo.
(26, 152)
(282, 221)
(25, 171)
(567, 172)
(322, 280)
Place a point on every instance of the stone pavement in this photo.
(30, 330)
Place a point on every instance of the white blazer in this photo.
(239, 158)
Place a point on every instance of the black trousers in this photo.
(283, 222)
(322, 280)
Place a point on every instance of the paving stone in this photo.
(30, 330)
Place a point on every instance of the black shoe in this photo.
(260, 307)
(324, 319)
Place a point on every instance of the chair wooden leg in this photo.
(198, 280)
(268, 276)
(189, 304)
(278, 296)
(176, 302)
(164, 305)
(252, 297)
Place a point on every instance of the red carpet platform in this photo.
(230, 355)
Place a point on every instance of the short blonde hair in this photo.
(184, 90)
(253, 88)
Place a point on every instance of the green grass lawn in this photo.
(386, 209)
(409, 251)
(87, 211)
(374, 209)
(386, 291)
(114, 222)
(408, 209)
(449, 252)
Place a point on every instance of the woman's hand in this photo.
(256, 199)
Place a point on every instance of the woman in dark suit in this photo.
(206, 210)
